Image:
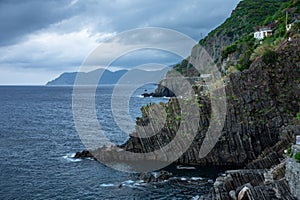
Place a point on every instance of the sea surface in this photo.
(38, 140)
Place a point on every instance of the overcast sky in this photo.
(41, 39)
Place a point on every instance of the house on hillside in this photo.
(263, 33)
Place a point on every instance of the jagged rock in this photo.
(240, 188)
(83, 154)
(147, 94)
(250, 185)
(232, 194)
(244, 194)
(256, 129)
(147, 177)
(155, 177)
(278, 172)
(292, 173)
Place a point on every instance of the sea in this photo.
(38, 141)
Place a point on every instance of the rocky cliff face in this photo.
(249, 185)
(279, 182)
(292, 173)
(261, 101)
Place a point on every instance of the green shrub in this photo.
(228, 50)
(297, 157)
(269, 57)
(298, 116)
(289, 152)
(296, 119)
(263, 49)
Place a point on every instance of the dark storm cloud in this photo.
(194, 17)
(18, 18)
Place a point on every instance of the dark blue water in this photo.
(38, 139)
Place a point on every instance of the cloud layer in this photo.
(49, 37)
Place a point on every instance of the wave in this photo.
(127, 183)
(141, 184)
(197, 179)
(107, 185)
(133, 184)
(71, 157)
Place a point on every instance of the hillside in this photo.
(232, 45)
(107, 77)
(234, 38)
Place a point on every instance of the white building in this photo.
(298, 139)
(262, 33)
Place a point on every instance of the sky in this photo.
(39, 40)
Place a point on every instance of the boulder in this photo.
(155, 177)
(243, 194)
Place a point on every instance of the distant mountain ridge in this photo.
(107, 77)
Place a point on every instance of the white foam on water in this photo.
(155, 174)
(210, 181)
(128, 182)
(197, 178)
(71, 157)
(107, 185)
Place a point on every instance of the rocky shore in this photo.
(262, 103)
(279, 182)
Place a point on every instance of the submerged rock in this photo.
(83, 154)
(155, 176)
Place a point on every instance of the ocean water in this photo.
(38, 140)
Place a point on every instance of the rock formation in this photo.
(261, 101)
(292, 174)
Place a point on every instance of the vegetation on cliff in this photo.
(232, 44)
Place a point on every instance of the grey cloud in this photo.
(18, 18)
(191, 17)
(146, 57)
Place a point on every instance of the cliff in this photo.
(261, 103)
(263, 98)
(232, 45)
(292, 173)
(278, 182)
